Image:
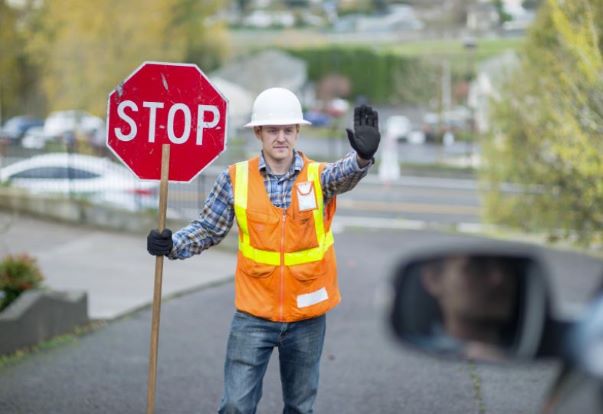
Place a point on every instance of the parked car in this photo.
(318, 118)
(416, 137)
(398, 126)
(15, 127)
(262, 19)
(454, 121)
(492, 303)
(71, 121)
(34, 138)
(96, 179)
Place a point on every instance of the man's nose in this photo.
(280, 135)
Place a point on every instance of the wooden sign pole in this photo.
(163, 192)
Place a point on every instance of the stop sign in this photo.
(167, 103)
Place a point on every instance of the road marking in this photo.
(447, 192)
(398, 207)
(434, 182)
(340, 222)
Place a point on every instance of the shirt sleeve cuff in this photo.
(357, 166)
(175, 252)
(172, 254)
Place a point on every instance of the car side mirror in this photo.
(480, 305)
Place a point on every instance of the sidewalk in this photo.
(113, 268)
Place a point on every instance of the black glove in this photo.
(366, 136)
(159, 244)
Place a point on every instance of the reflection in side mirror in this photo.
(475, 305)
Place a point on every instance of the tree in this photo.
(549, 125)
(531, 4)
(503, 16)
(84, 49)
(9, 44)
(16, 72)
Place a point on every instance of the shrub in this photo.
(546, 129)
(381, 76)
(18, 273)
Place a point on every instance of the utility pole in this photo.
(444, 97)
(446, 88)
(470, 45)
(1, 102)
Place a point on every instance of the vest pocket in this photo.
(254, 269)
(264, 230)
(308, 271)
(301, 232)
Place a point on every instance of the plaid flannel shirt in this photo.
(217, 216)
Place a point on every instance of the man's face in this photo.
(277, 141)
(474, 289)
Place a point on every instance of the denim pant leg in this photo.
(250, 345)
(299, 356)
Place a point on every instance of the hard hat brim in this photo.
(277, 122)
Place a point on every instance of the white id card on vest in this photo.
(305, 196)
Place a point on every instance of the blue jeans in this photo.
(250, 345)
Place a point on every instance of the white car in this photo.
(99, 180)
(399, 126)
(60, 122)
(34, 138)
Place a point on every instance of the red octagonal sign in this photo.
(166, 103)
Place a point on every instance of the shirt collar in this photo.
(296, 166)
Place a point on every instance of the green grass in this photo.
(477, 386)
(57, 341)
(424, 48)
(436, 169)
(485, 48)
(461, 60)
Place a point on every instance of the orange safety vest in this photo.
(286, 269)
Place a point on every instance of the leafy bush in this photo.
(547, 129)
(381, 76)
(18, 273)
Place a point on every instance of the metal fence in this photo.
(107, 181)
(92, 172)
(95, 175)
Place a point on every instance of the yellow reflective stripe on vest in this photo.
(260, 256)
(324, 240)
(270, 257)
(240, 198)
(311, 255)
(240, 207)
(318, 212)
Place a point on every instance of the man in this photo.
(477, 297)
(285, 280)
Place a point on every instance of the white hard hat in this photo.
(276, 106)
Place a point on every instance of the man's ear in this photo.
(256, 131)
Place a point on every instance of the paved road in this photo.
(440, 201)
(363, 371)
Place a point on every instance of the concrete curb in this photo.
(75, 211)
(38, 315)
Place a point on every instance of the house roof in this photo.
(240, 101)
(267, 69)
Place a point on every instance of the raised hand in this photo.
(366, 137)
